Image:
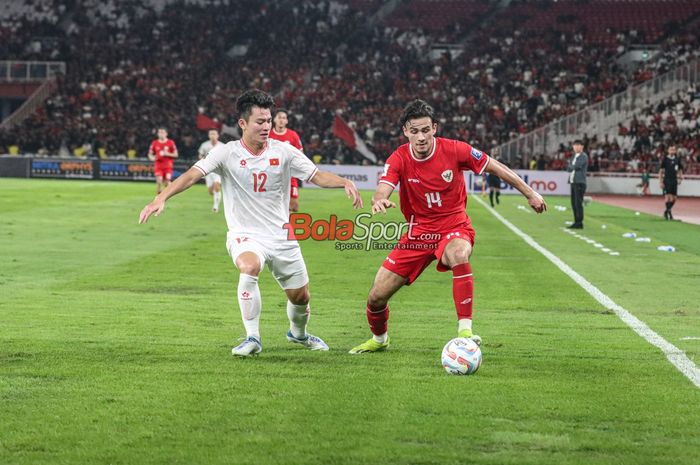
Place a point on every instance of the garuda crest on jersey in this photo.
(447, 175)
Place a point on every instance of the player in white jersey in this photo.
(255, 174)
(213, 180)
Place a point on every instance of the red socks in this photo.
(463, 290)
(377, 320)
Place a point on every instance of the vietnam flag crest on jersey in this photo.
(274, 161)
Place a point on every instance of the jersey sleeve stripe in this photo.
(387, 182)
(485, 165)
(201, 169)
(312, 175)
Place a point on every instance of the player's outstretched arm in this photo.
(380, 199)
(182, 183)
(326, 179)
(506, 174)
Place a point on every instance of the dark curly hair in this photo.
(417, 109)
(253, 98)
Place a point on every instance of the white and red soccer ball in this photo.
(461, 356)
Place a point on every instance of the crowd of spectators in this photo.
(134, 65)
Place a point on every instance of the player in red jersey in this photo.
(433, 199)
(281, 132)
(162, 151)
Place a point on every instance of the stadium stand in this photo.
(133, 65)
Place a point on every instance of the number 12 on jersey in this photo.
(259, 180)
(433, 198)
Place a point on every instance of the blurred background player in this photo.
(494, 183)
(282, 133)
(643, 187)
(578, 165)
(213, 180)
(163, 152)
(433, 200)
(670, 176)
(255, 174)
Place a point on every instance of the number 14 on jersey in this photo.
(433, 198)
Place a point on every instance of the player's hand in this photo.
(352, 193)
(537, 202)
(156, 207)
(380, 206)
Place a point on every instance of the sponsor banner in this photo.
(364, 177)
(129, 170)
(66, 169)
(135, 170)
(544, 182)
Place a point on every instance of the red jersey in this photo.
(289, 136)
(159, 148)
(433, 193)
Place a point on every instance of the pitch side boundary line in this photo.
(674, 355)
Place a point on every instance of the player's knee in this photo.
(457, 256)
(299, 296)
(248, 267)
(376, 299)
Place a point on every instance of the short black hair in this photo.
(417, 109)
(161, 127)
(280, 110)
(253, 98)
(577, 141)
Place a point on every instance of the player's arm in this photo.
(326, 179)
(662, 172)
(151, 153)
(506, 174)
(172, 153)
(680, 173)
(182, 183)
(380, 199)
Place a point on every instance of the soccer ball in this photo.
(461, 356)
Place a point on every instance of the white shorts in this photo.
(282, 257)
(211, 178)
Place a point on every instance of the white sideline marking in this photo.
(674, 355)
(690, 338)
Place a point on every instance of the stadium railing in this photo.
(23, 71)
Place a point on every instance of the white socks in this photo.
(380, 339)
(217, 199)
(298, 318)
(250, 303)
(464, 323)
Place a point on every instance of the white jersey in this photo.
(256, 187)
(205, 148)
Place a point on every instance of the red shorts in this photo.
(164, 171)
(295, 188)
(411, 256)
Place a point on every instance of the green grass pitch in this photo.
(115, 342)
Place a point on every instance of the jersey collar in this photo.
(251, 152)
(432, 152)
